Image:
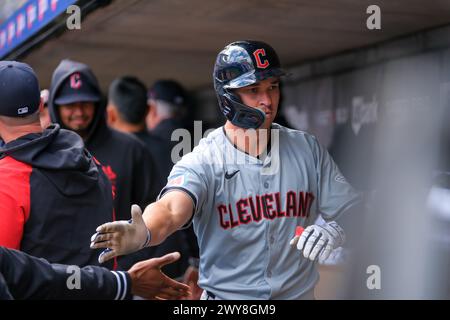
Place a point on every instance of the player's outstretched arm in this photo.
(159, 220)
(168, 215)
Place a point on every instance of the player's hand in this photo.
(121, 237)
(149, 282)
(319, 240)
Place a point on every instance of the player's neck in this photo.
(11, 134)
(128, 127)
(251, 141)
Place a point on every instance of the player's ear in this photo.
(147, 111)
(150, 118)
(41, 105)
(151, 107)
(111, 115)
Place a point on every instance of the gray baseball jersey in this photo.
(247, 210)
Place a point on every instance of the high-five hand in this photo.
(121, 237)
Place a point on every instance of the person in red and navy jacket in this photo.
(53, 193)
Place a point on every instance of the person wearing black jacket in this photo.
(76, 103)
(53, 193)
(126, 112)
(124, 158)
(24, 277)
(169, 110)
(170, 106)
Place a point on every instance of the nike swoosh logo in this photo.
(229, 176)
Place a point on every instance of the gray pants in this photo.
(307, 296)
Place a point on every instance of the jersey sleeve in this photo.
(189, 175)
(28, 277)
(335, 194)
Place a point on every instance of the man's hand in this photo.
(121, 237)
(191, 279)
(149, 282)
(319, 240)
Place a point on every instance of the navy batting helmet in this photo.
(240, 64)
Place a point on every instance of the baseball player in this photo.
(250, 188)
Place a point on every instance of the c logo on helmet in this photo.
(75, 81)
(259, 55)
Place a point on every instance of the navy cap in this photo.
(76, 88)
(19, 89)
(169, 91)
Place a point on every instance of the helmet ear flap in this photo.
(232, 97)
(225, 103)
(242, 115)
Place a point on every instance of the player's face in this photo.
(265, 96)
(77, 116)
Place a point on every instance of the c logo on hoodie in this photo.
(75, 81)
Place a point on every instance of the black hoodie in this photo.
(53, 195)
(125, 160)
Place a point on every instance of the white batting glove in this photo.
(319, 240)
(121, 237)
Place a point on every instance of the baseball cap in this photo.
(19, 89)
(169, 91)
(76, 88)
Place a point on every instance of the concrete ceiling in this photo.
(179, 39)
